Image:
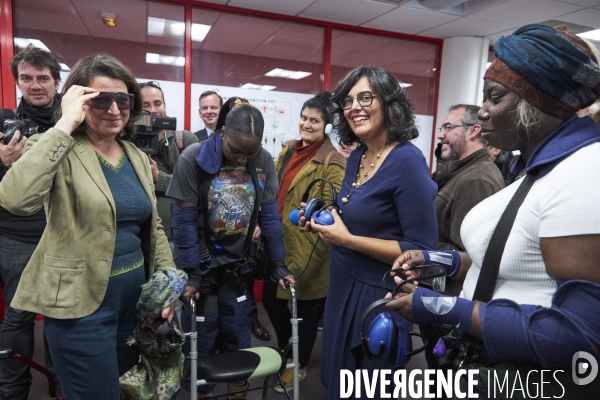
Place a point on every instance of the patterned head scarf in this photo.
(551, 68)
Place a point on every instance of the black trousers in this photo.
(280, 315)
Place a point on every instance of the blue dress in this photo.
(394, 204)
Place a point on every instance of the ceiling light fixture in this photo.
(153, 58)
(167, 27)
(23, 43)
(284, 73)
(257, 87)
(593, 35)
(405, 85)
(109, 19)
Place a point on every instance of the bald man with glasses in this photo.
(465, 177)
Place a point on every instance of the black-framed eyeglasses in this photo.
(153, 84)
(448, 127)
(104, 101)
(431, 276)
(364, 99)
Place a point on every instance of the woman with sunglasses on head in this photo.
(529, 299)
(300, 163)
(386, 204)
(222, 187)
(103, 238)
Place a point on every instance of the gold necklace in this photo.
(361, 180)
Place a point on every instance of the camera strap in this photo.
(179, 140)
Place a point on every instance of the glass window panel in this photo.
(148, 38)
(237, 53)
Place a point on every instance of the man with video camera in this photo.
(37, 75)
(163, 158)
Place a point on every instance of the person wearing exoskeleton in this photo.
(222, 187)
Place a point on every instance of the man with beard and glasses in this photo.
(37, 75)
(466, 177)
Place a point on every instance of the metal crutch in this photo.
(193, 334)
(294, 340)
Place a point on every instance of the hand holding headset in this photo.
(317, 208)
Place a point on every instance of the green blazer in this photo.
(68, 273)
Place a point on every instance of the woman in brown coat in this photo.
(307, 257)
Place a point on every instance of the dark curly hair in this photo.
(322, 103)
(89, 67)
(241, 119)
(399, 118)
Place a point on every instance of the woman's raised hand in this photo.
(74, 106)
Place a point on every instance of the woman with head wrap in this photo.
(540, 309)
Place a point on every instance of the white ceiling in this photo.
(488, 18)
(251, 46)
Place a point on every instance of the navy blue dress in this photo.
(394, 204)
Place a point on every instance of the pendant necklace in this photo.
(360, 180)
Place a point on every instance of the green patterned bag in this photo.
(159, 373)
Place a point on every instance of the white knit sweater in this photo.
(565, 202)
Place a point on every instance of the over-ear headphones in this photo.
(328, 129)
(387, 338)
(317, 208)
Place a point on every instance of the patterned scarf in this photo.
(551, 68)
(160, 371)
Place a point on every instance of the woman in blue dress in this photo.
(386, 204)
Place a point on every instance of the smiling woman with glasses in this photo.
(387, 207)
(103, 238)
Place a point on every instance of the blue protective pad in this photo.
(270, 224)
(430, 307)
(185, 236)
(549, 336)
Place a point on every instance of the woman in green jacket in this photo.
(307, 257)
(103, 238)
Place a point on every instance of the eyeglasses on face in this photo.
(364, 99)
(448, 127)
(153, 84)
(105, 99)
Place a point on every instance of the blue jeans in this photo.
(90, 353)
(18, 329)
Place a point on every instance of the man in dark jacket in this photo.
(37, 75)
(172, 144)
(465, 178)
(210, 106)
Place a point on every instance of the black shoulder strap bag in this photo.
(484, 290)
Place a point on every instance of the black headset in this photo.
(317, 208)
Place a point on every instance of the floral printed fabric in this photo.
(158, 375)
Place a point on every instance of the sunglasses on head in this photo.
(153, 84)
(104, 101)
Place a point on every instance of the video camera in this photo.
(146, 136)
(11, 126)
